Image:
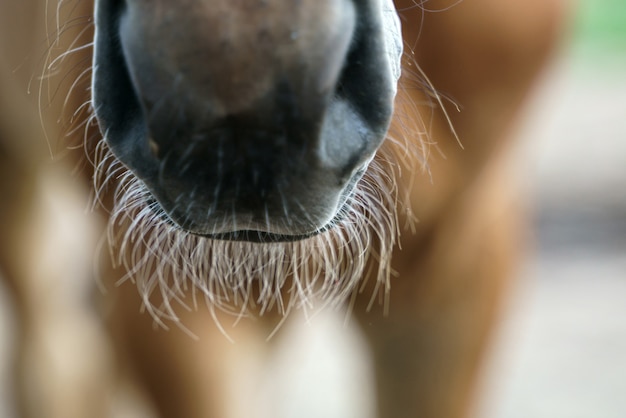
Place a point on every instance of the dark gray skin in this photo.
(245, 119)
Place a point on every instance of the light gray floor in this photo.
(561, 352)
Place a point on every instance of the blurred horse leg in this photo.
(62, 359)
(452, 274)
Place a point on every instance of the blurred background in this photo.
(561, 352)
(561, 348)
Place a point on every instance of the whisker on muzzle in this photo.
(239, 277)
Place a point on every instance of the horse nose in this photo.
(234, 97)
(243, 116)
(265, 61)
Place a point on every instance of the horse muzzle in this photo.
(245, 120)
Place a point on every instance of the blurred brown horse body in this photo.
(449, 269)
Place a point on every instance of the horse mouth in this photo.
(263, 232)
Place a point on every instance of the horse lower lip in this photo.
(238, 231)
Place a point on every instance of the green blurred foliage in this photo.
(601, 24)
